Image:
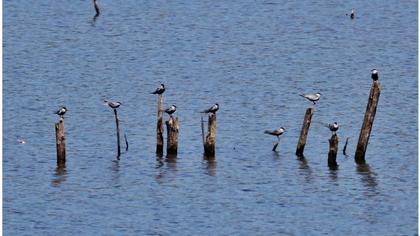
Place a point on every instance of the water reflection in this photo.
(333, 174)
(368, 178)
(60, 175)
(305, 169)
(210, 165)
(169, 162)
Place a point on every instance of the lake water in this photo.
(253, 58)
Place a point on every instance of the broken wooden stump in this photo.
(375, 91)
(60, 141)
(304, 132)
(332, 154)
(172, 127)
(159, 125)
(210, 142)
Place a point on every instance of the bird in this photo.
(352, 14)
(61, 111)
(113, 105)
(160, 89)
(375, 74)
(212, 109)
(312, 97)
(170, 110)
(278, 132)
(96, 5)
(333, 127)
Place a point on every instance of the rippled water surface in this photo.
(253, 58)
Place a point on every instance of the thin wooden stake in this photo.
(126, 142)
(159, 125)
(210, 144)
(60, 141)
(375, 91)
(202, 130)
(172, 127)
(117, 122)
(345, 147)
(332, 154)
(304, 132)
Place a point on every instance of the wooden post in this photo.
(202, 130)
(210, 145)
(172, 127)
(345, 147)
(60, 141)
(332, 154)
(375, 91)
(159, 126)
(117, 122)
(304, 132)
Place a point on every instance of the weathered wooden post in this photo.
(172, 127)
(375, 91)
(210, 144)
(60, 141)
(345, 147)
(332, 154)
(117, 122)
(159, 125)
(304, 132)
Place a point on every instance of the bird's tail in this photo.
(302, 95)
(205, 111)
(267, 132)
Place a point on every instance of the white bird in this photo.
(61, 111)
(278, 132)
(113, 105)
(212, 109)
(171, 110)
(333, 127)
(312, 97)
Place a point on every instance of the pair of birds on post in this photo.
(161, 89)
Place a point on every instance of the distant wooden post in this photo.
(159, 126)
(375, 91)
(172, 127)
(117, 122)
(60, 141)
(332, 154)
(202, 130)
(210, 144)
(304, 132)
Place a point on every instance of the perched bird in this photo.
(277, 132)
(96, 5)
(375, 74)
(333, 127)
(171, 110)
(352, 14)
(160, 89)
(312, 97)
(61, 111)
(113, 105)
(212, 109)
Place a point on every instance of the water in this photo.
(253, 58)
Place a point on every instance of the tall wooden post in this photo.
(375, 91)
(332, 154)
(159, 125)
(304, 132)
(60, 141)
(210, 144)
(117, 122)
(172, 127)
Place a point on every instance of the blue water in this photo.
(253, 58)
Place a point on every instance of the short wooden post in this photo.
(375, 91)
(210, 144)
(159, 125)
(60, 141)
(304, 132)
(117, 122)
(172, 127)
(332, 154)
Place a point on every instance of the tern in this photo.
(212, 109)
(171, 110)
(61, 111)
(312, 97)
(277, 132)
(333, 127)
(160, 89)
(113, 105)
(375, 74)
